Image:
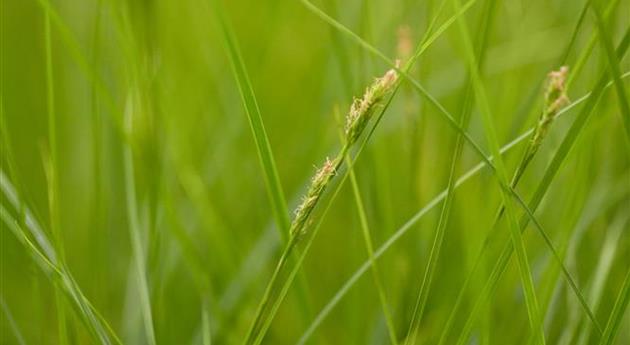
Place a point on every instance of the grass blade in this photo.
(52, 173)
(616, 316)
(59, 275)
(446, 207)
(134, 232)
(615, 71)
(345, 288)
(263, 147)
(552, 169)
(12, 324)
(367, 238)
(490, 132)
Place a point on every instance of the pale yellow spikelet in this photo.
(362, 108)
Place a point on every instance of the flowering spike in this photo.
(362, 108)
(555, 99)
(319, 182)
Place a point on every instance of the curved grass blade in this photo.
(52, 175)
(581, 61)
(431, 99)
(521, 168)
(419, 51)
(615, 71)
(263, 147)
(490, 132)
(369, 246)
(338, 296)
(17, 334)
(134, 232)
(616, 316)
(554, 166)
(434, 253)
(602, 271)
(60, 277)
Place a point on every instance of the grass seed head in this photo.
(556, 92)
(362, 108)
(318, 184)
(555, 99)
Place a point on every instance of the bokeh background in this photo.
(201, 204)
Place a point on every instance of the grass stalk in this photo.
(354, 278)
(446, 206)
(52, 175)
(367, 238)
(58, 274)
(417, 86)
(17, 334)
(567, 143)
(546, 118)
(357, 119)
(490, 132)
(613, 64)
(263, 147)
(616, 316)
(138, 250)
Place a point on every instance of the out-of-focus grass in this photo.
(135, 205)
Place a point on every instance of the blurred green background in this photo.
(151, 79)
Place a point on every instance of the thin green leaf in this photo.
(263, 147)
(490, 132)
(552, 170)
(369, 246)
(616, 316)
(615, 70)
(446, 207)
(17, 334)
(338, 296)
(52, 173)
(60, 277)
(134, 226)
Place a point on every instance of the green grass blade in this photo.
(263, 147)
(586, 53)
(446, 207)
(205, 324)
(419, 88)
(52, 173)
(287, 282)
(338, 296)
(609, 249)
(615, 70)
(81, 60)
(135, 233)
(616, 316)
(59, 276)
(424, 44)
(367, 238)
(17, 334)
(575, 71)
(490, 132)
(552, 169)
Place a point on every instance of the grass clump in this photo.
(357, 119)
(151, 153)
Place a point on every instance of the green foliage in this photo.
(151, 152)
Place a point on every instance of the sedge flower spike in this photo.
(362, 108)
(555, 99)
(318, 184)
(360, 114)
